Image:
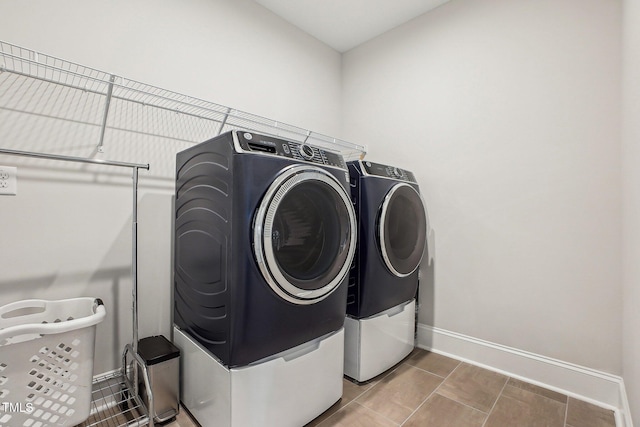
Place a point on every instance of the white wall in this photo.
(508, 112)
(69, 226)
(631, 203)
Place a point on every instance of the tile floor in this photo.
(428, 389)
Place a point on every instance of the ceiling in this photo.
(344, 24)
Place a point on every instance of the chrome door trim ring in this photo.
(381, 231)
(263, 227)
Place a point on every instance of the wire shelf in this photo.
(46, 101)
(113, 405)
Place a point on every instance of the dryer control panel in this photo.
(264, 144)
(386, 171)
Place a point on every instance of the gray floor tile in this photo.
(443, 412)
(400, 393)
(583, 414)
(559, 397)
(473, 386)
(356, 415)
(522, 408)
(432, 362)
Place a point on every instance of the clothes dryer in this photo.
(383, 282)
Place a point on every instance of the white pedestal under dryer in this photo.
(383, 282)
(265, 235)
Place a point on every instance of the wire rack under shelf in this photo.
(49, 102)
(112, 405)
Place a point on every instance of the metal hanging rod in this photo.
(134, 224)
(73, 159)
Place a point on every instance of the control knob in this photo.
(396, 172)
(306, 152)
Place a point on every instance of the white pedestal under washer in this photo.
(289, 389)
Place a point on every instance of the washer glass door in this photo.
(304, 234)
(402, 230)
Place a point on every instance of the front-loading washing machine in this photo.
(383, 282)
(265, 235)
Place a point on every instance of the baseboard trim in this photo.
(597, 387)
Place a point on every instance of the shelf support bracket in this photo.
(103, 127)
(224, 120)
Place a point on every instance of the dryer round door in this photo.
(402, 230)
(304, 234)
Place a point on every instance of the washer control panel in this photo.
(386, 171)
(264, 144)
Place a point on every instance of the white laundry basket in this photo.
(46, 361)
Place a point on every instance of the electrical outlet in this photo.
(8, 180)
